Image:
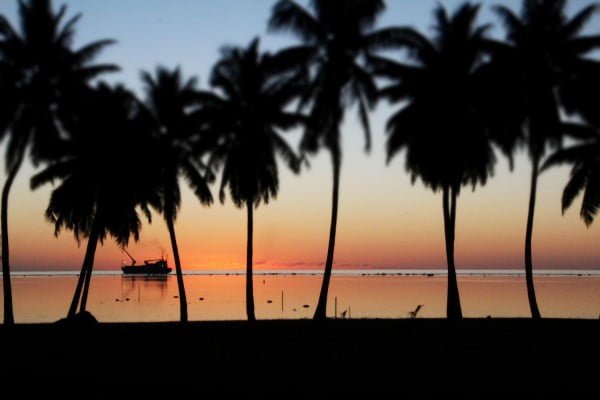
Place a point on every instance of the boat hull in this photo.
(146, 270)
(158, 268)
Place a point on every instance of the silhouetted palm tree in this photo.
(39, 72)
(440, 126)
(585, 174)
(546, 54)
(173, 105)
(336, 35)
(246, 115)
(107, 169)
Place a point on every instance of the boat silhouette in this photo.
(149, 267)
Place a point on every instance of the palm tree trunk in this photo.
(535, 312)
(453, 308)
(249, 276)
(321, 309)
(86, 272)
(183, 311)
(90, 267)
(9, 318)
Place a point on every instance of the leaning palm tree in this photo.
(39, 73)
(173, 106)
(546, 52)
(336, 36)
(245, 115)
(440, 126)
(106, 171)
(585, 174)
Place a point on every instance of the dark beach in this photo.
(479, 357)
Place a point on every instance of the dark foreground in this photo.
(482, 358)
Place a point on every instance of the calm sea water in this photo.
(43, 297)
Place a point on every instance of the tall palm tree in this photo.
(547, 52)
(245, 115)
(440, 126)
(107, 169)
(39, 72)
(336, 35)
(585, 174)
(173, 105)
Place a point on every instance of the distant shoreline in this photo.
(339, 272)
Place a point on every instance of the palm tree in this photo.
(106, 171)
(441, 127)
(546, 52)
(173, 105)
(245, 115)
(39, 72)
(336, 36)
(585, 174)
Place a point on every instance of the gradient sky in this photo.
(384, 221)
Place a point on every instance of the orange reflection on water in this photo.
(116, 298)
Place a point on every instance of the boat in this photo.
(149, 267)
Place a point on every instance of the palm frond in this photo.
(289, 16)
(363, 113)
(197, 183)
(573, 187)
(580, 131)
(578, 22)
(591, 195)
(292, 160)
(91, 72)
(6, 30)
(418, 46)
(391, 69)
(384, 39)
(572, 155)
(67, 32)
(225, 178)
(58, 170)
(511, 21)
(90, 51)
(290, 59)
(582, 45)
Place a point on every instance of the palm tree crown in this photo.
(547, 55)
(453, 148)
(248, 114)
(45, 75)
(585, 174)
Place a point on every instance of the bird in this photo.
(413, 314)
(343, 313)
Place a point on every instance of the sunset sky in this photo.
(384, 221)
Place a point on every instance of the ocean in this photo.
(220, 295)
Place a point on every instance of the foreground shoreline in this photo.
(426, 356)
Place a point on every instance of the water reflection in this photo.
(132, 286)
(221, 297)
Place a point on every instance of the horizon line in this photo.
(315, 272)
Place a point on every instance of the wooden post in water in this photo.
(335, 308)
(349, 312)
(282, 301)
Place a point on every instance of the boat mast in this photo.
(130, 256)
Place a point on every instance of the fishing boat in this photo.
(149, 267)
